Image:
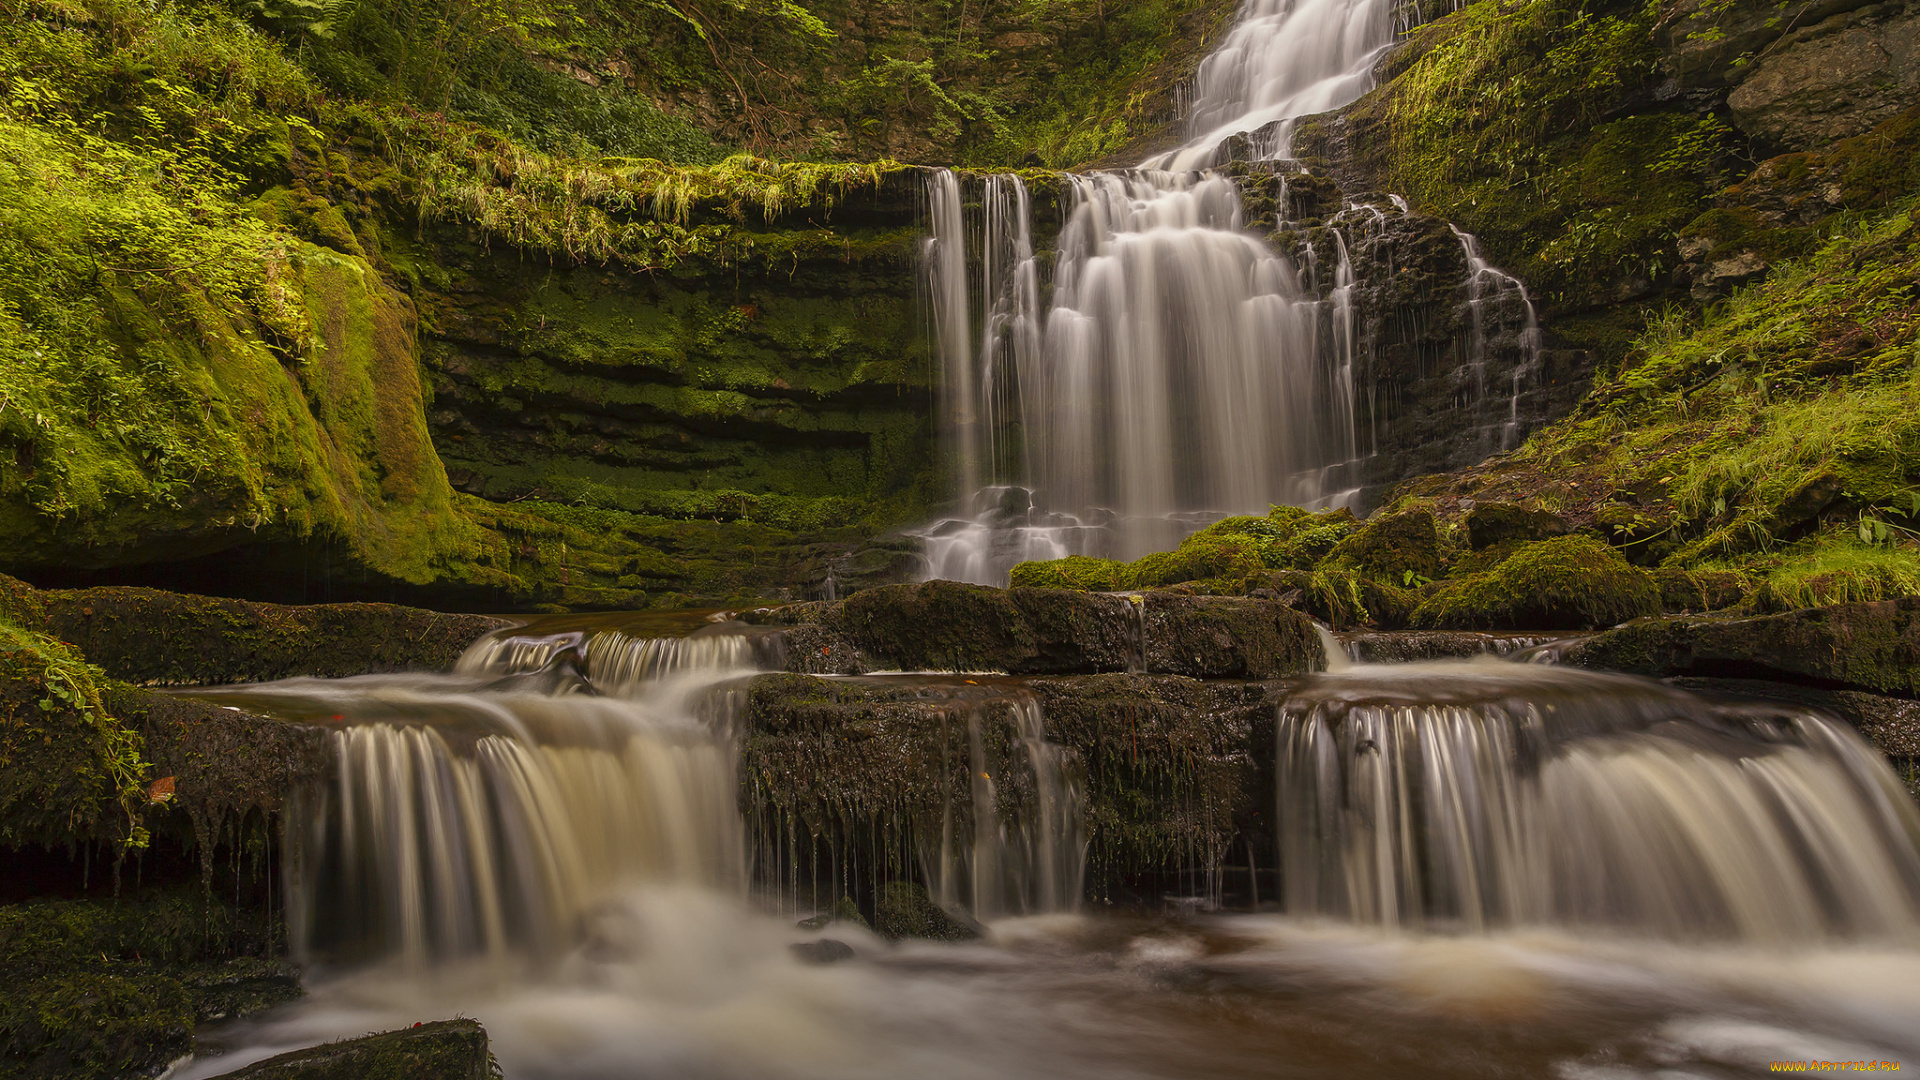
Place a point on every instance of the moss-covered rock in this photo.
(904, 911)
(1564, 584)
(1873, 647)
(70, 771)
(1692, 591)
(440, 1050)
(1393, 547)
(860, 772)
(155, 637)
(1490, 523)
(1072, 572)
(110, 988)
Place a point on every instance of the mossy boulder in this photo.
(904, 911)
(441, 1050)
(1568, 583)
(950, 626)
(70, 771)
(112, 987)
(1393, 547)
(1689, 591)
(1072, 572)
(1493, 522)
(1344, 599)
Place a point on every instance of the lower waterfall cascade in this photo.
(551, 839)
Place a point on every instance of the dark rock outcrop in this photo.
(949, 626)
(1873, 647)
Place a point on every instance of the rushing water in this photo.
(1181, 372)
(1283, 59)
(1488, 869)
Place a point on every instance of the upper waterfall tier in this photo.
(1183, 371)
(1284, 59)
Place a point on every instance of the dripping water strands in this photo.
(1488, 794)
(1496, 302)
(1015, 844)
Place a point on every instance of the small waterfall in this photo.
(998, 863)
(490, 824)
(1283, 59)
(1181, 374)
(1489, 794)
(1490, 292)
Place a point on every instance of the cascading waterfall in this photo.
(488, 813)
(1489, 291)
(1283, 59)
(1489, 794)
(1181, 373)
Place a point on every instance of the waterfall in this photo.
(488, 814)
(1489, 289)
(1283, 59)
(1181, 373)
(1489, 794)
(1000, 864)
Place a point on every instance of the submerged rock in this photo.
(904, 911)
(823, 951)
(441, 1050)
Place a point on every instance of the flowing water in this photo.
(1182, 372)
(1487, 869)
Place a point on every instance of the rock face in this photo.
(442, 1050)
(1831, 78)
(948, 626)
(863, 775)
(1872, 647)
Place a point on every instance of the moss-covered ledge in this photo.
(1873, 647)
(161, 638)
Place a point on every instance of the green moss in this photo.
(1493, 523)
(1700, 590)
(69, 771)
(1397, 548)
(1836, 568)
(1570, 583)
(106, 988)
(1073, 572)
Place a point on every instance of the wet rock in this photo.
(1408, 646)
(1891, 724)
(949, 626)
(170, 639)
(441, 1050)
(823, 951)
(904, 911)
(1872, 647)
(1490, 523)
(865, 772)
